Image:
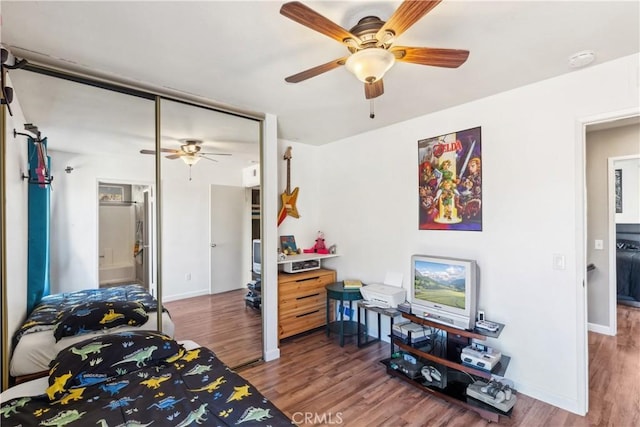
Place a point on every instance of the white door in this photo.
(227, 238)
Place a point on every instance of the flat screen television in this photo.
(444, 290)
(256, 256)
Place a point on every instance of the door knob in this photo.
(213, 245)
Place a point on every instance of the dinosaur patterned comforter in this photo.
(48, 312)
(148, 385)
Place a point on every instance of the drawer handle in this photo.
(306, 314)
(308, 296)
(308, 278)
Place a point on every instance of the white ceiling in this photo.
(239, 52)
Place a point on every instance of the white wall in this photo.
(74, 212)
(533, 206)
(16, 223)
(308, 176)
(185, 235)
(185, 218)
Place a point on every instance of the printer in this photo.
(386, 296)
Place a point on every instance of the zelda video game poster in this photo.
(450, 181)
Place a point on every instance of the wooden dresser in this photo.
(302, 300)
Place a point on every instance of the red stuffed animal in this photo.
(319, 247)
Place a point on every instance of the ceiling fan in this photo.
(370, 42)
(190, 152)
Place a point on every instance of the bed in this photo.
(628, 271)
(63, 319)
(138, 378)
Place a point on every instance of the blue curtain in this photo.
(39, 214)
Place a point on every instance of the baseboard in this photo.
(176, 297)
(600, 329)
(562, 402)
(272, 354)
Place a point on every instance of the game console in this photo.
(408, 365)
(483, 359)
(498, 394)
(418, 333)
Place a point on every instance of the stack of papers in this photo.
(352, 284)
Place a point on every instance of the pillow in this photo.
(98, 315)
(629, 245)
(103, 357)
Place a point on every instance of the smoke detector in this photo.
(581, 59)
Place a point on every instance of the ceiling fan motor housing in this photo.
(191, 146)
(366, 30)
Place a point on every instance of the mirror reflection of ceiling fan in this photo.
(371, 44)
(190, 152)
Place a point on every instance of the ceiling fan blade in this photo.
(312, 72)
(449, 58)
(407, 14)
(373, 90)
(306, 16)
(212, 160)
(174, 156)
(164, 150)
(215, 154)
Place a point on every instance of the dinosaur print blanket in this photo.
(48, 313)
(196, 389)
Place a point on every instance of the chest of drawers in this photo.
(302, 300)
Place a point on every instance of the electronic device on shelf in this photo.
(495, 393)
(256, 256)
(255, 285)
(404, 307)
(484, 359)
(300, 266)
(385, 296)
(487, 325)
(444, 290)
(408, 365)
(418, 333)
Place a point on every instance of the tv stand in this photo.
(443, 351)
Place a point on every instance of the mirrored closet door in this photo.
(207, 228)
(103, 204)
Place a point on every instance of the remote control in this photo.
(486, 325)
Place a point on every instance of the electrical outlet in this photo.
(187, 276)
(599, 245)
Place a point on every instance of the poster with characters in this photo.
(450, 181)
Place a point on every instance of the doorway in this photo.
(605, 143)
(124, 230)
(598, 237)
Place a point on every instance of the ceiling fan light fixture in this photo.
(369, 65)
(190, 159)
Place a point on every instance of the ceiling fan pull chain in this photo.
(372, 114)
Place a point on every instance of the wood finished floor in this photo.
(221, 322)
(316, 382)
